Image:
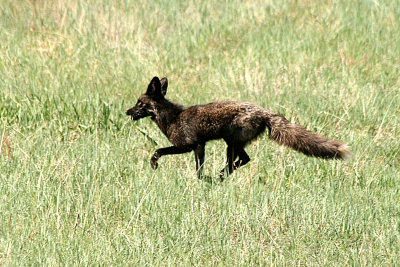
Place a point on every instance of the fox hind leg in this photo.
(231, 155)
(233, 152)
(243, 158)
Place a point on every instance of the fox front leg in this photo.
(166, 151)
(199, 156)
(153, 161)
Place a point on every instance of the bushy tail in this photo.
(298, 138)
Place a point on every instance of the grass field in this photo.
(76, 186)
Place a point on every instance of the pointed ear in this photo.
(154, 87)
(164, 85)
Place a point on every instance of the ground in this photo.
(76, 186)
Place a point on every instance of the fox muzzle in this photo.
(136, 114)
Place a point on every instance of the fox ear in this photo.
(164, 85)
(154, 87)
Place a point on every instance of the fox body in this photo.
(238, 123)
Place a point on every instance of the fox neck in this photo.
(166, 114)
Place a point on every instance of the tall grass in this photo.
(76, 187)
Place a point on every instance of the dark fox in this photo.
(189, 128)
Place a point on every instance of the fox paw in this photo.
(153, 163)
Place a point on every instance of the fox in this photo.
(237, 123)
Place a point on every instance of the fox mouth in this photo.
(134, 118)
(130, 113)
(136, 115)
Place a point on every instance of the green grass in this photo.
(76, 186)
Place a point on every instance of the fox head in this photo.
(148, 103)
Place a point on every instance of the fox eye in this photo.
(141, 104)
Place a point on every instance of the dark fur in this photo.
(189, 128)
